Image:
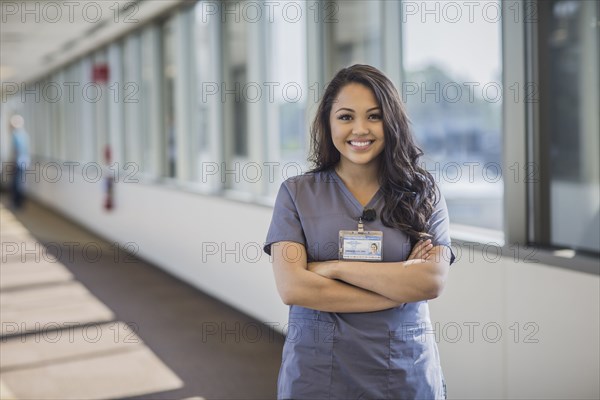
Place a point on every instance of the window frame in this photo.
(527, 224)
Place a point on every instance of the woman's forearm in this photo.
(299, 286)
(403, 282)
(408, 281)
(320, 293)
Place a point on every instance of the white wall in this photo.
(172, 227)
(561, 306)
(548, 318)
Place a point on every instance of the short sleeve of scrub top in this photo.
(387, 354)
(285, 225)
(439, 227)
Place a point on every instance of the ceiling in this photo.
(38, 36)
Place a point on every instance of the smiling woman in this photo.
(376, 313)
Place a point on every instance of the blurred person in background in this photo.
(20, 143)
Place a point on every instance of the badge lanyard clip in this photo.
(361, 227)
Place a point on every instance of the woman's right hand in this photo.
(421, 250)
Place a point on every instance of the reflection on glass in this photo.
(286, 66)
(203, 71)
(72, 115)
(99, 74)
(452, 71)
(132, 55)
(572, 90)
(357, 38)
(169, 74)
(236, 57)
(240, 111)
(149, 98)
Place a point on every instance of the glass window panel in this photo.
(87, 143)
(62, 121)
(53, 91)
(452, 90)
(169, 76)
(50, 118)
(287, 68)
(115, 103)
(240, 112)
(570, 105)
(204, 65)
(150, 99)
(235, 57)
(132, 56)
(98, 94)
(357, 34)
(48, 133)
(72, 111)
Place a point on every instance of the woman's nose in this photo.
(360, 127)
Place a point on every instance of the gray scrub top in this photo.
(388, 354)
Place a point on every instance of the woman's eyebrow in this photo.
(351, 110)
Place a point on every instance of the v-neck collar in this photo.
(349, 194)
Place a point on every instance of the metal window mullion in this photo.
(514, 125)
(537, 172)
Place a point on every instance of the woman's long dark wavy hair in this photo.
(409, 191)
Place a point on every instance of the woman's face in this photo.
(357, 125)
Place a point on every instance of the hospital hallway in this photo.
(162, 148)
(99, 323)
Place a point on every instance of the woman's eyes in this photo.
(347, 117)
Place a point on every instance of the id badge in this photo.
(361, 245)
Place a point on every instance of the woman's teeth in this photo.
(361, 144)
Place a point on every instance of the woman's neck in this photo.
(358, 175)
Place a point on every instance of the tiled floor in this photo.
(73, 329)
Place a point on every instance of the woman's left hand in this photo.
(323, 268)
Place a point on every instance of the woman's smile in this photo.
(360, 145)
